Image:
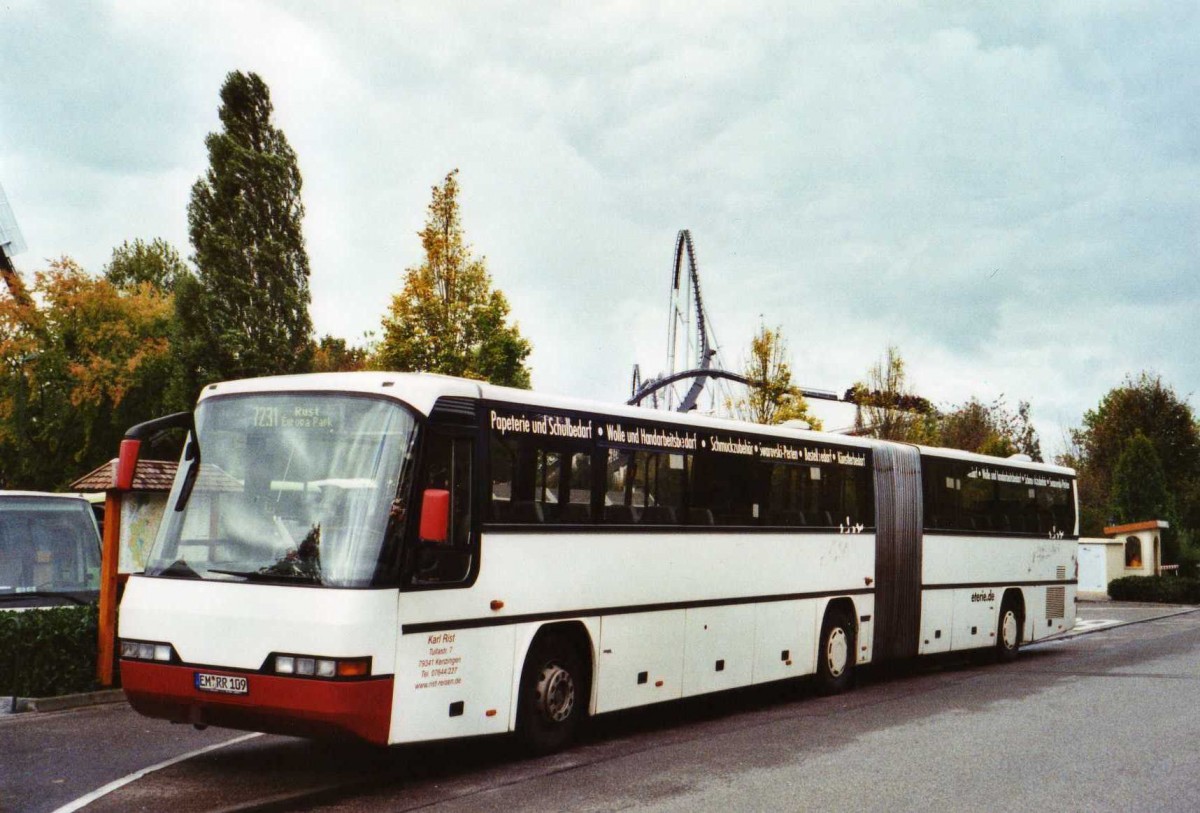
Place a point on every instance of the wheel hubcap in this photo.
(1008, 629)
(556, 693)
(836, 652)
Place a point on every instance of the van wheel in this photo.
(835, 659)
(553, 699)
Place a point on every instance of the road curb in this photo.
(1076, 634)
(64, 702)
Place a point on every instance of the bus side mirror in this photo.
(127, 461)
(127, 457)
(435, 515)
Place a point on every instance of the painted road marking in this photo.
(83, 801)
(1084, 624)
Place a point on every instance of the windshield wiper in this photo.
(178, 569)
(270, 576)
(44, 594)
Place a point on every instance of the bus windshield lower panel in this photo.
(290, 488)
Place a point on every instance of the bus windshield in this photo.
(288, 488)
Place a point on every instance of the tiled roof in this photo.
(1132, 527)
(150, 475)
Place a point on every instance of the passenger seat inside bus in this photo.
(526, 512)
(575, 513)
(619, 514)
(658, 515)
(787, 517)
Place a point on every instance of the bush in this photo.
(48, 651)
(1157, 589)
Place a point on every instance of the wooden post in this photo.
(110, 555)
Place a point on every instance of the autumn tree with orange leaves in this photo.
(81, 360)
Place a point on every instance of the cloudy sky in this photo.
(1007, 192)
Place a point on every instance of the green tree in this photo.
(1140, 491)
(887, 406)
(1139, 486)
(334, 355)
(80, 362)
(989, 429)
(247, 312)
(447, 318)
(156, 263)
(771, 397)
(1142, 403)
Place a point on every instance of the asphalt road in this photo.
(1100, 721)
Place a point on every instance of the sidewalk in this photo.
(1093, 616)
(60, 703)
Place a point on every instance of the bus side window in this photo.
(447, 467)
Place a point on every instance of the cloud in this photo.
(1007, 193)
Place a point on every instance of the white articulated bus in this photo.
(407, 557)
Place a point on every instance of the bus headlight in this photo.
(147, 651)
(312, 666)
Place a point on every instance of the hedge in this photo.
(1157, 589)
(47, 652)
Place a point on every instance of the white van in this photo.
(49, 550)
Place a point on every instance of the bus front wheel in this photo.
(835, 660)
(553, 698)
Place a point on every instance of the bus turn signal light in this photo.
(355, 667)
(309, 666)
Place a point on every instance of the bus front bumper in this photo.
(301, 707)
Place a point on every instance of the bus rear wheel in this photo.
(835, 659)
(1008, 632)
(553, 696)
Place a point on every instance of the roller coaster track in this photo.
(685, 295)
(706, 353)
(705, 365)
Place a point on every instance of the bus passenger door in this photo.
(453, 680)
(444, 487)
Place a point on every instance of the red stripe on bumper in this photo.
(277, 705)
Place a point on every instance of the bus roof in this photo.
(422, 390)
(1013, 462)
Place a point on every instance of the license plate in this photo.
(223, 684)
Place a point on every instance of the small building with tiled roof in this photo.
(150, 475)
(140, 509)
(1132, 549)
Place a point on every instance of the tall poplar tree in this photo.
(245, 313)
(448, 318)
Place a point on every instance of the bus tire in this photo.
(835, 657)
(1008, 632)
(553, 697)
